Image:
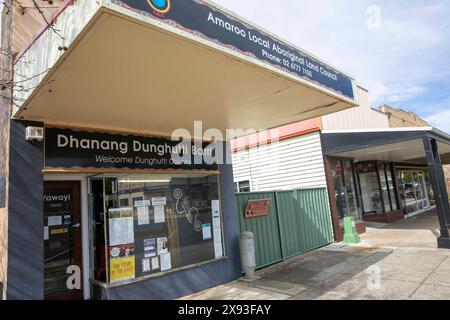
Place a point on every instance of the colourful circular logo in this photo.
(160, 6)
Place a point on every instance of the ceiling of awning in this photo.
(402, 147)
(409, 151)
(124, 75)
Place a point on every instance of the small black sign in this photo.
(71, 149)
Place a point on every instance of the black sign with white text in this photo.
(71, 149)
(207, 22)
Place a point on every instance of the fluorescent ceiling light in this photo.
(382, 150)
(144, 181)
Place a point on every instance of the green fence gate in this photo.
(298, 221)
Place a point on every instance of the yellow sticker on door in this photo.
(59, 231)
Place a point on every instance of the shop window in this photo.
(350, 188)
(414, 189)
(423, 191)
(408, 185)
(145, 225)
(344, 183)
(370, 188)
(430, 188)
(378, 189)
(392, 187)
(385, 188)
(338, 182)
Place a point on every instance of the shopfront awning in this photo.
(130, 66)
(405, 146)
(402, 145)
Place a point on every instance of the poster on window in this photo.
(166, 262)
(149, 248)
(146, 265)
(163, 247)
(217, 228)
(159, 201)
(121, 226)
(159, 214)
(143, 215)
(122, 263)
(206, 231)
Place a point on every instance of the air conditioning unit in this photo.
(34, 134)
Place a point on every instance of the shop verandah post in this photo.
(438, 180)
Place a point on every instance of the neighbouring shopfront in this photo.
(376, 190)
(347, 197)
(387, 174)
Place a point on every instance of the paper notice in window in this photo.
(155, 263)
(159, 201)
(162, 245)
(149, 248)
(121, 231)
(206, 229)
(54, 221)
(217, 228)
(46, 237)
(142, 203)
(143, 215)
(159, 214)
(166, 262)
(146, 265)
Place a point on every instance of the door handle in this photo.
(76, 225)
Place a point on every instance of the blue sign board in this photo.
(210, 23)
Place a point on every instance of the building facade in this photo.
(379, 184)
(109, 189)
(295, 162)
(399, 118)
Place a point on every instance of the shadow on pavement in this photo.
(312, 275)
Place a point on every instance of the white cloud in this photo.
(397, 62)
(406, 95)
(440, 120)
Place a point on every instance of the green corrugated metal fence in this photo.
(299, 221)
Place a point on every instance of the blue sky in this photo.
(404, 63)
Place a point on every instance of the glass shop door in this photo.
(423, 190)
(62, 241)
